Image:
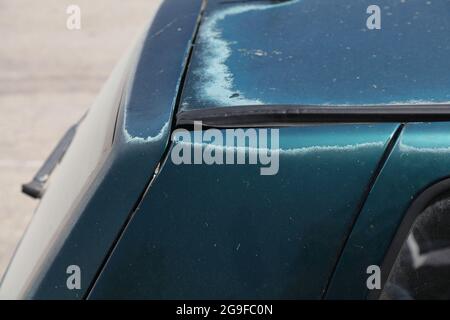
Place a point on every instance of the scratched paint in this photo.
(320, 52)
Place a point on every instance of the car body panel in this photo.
(319, 52)
(84, 226)
(140, 226)
(420, 159)
(227, 232)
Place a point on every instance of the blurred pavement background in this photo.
(49, 76)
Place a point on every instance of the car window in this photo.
(422, 267)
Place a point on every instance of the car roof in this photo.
(319, 52)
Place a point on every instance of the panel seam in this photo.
(381, 163)
(157, 169)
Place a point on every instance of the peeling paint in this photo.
(155, 72)
(313, 52)
(417, 102)
(288, 152)
(162, 133)
(437, 150)
(216, 78)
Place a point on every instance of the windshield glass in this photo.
(320, 52)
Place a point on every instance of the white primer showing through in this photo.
(230, 145)
(409, 149)
(217, 79)
(288, 152)
(164, 130)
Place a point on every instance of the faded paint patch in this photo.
(287, 152)
(404, 148)
(314, 53)
(162, 133)
(216, 83)
(417, 102)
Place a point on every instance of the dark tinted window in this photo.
(422, 267)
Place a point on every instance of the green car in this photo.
(266, 149)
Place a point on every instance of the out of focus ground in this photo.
(49, 76)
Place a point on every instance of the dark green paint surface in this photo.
(320, 52)
(141, 138)
(420, 159)
(225, 231)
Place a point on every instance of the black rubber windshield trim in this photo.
(288, 115)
